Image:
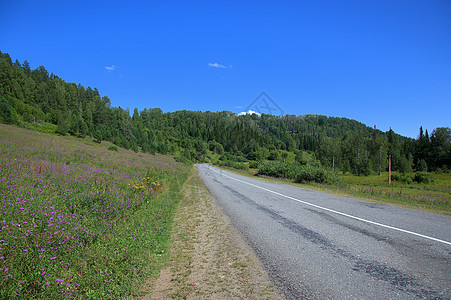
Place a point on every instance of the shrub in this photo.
(395, 177)
(183, 160)
(253, 164)
(306, 173)
(316, 174)
(422, 177)
(234, 164)
(113, 148)
(404, 178)
(231, 157)
(279, 169)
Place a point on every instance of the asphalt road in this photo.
(316, 245)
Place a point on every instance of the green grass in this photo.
(80, 220)
(41, 127)
(433, 197)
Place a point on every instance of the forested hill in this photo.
(43, 101)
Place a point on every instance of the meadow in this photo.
(79, 220)
(434, 196)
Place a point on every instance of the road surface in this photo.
(316, 245)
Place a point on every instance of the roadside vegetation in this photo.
(79, 220)
(432, 194)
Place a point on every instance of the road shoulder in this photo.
(209, 258)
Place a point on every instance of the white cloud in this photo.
(110, 69)
(216, 65)
(250, 112)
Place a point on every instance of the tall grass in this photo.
(434, 195)
(78, 220)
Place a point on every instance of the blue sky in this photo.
(383, 63)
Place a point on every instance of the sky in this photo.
(385, 63)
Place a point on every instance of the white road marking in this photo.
(337, 212)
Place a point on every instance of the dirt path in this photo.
(209, 259)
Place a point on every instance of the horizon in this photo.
(384, 64)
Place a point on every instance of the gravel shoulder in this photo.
(209, 258)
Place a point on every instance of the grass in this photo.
(433, 197)
(78, 220)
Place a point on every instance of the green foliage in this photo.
(279, 169)
(113, 148)
(404, 178)
(42, 127)
(216, 147)
(183, 160)
(300, 173)
(422, 165)
(8, 114)
(98, 136)
(316, 174)
(307, 158)
(421, 177)
(234, 164)
(231, 157)
(274, 155)
(253, 164)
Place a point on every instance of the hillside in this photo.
(38, 100)
(79, 219)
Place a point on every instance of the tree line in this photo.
(36, 97)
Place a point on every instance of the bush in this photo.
(253, 164)
(231, 157)
(421, 177)
(279, 169)
(395, 177)
(183, 160)
(113, 148)
(316, 174)
(233, 164)
(408, 179)
(404, 178)
(306, 173)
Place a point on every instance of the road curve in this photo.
(316, 245)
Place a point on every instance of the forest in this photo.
(38, 100)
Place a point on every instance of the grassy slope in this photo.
(435, 197)
(80, 220)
